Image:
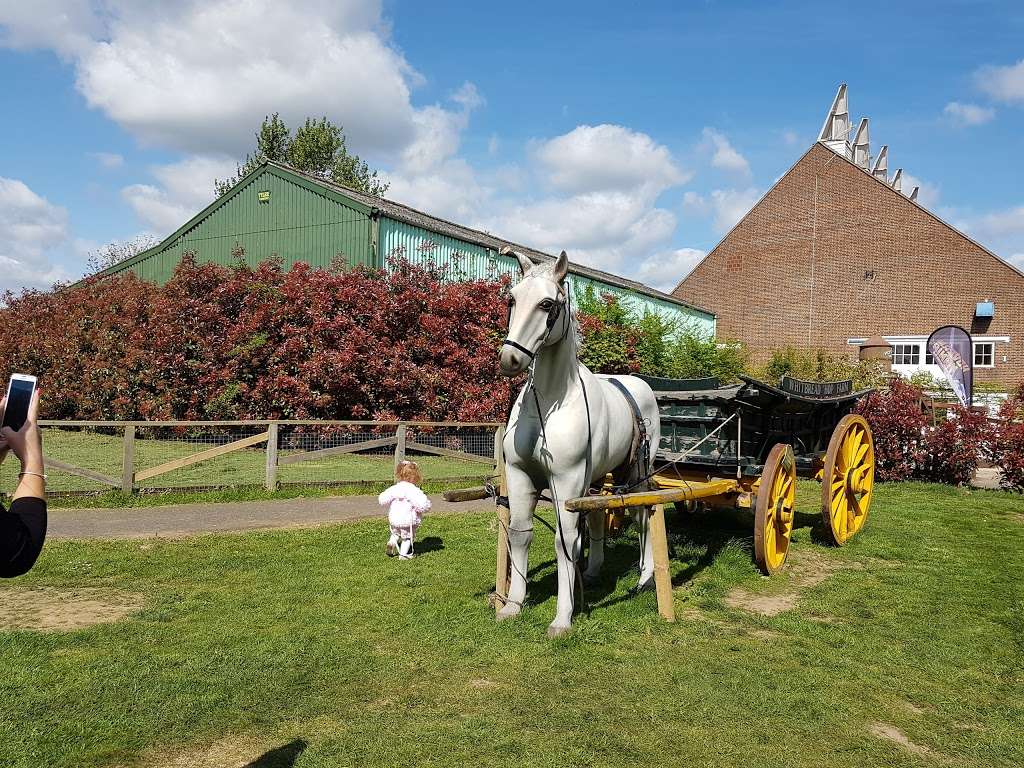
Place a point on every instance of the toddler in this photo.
(406, 504)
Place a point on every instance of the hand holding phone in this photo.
(20, 390)
(18, 429)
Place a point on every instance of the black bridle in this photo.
(555, 311)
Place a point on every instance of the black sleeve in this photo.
(22, 531)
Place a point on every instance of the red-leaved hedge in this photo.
(241, 343)
(897, 425)
(1007, 442)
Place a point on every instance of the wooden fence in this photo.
(400, 436)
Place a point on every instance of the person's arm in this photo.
(23, 528)
(422, 501)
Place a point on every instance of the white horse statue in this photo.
(568, 428)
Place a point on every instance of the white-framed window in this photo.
(906, 354)
(984, 354)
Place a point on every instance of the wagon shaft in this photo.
(690, 492)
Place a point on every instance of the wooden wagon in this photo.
(742, 445)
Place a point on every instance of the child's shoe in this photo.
(392, 547)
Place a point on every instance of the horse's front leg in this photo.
(522, 499)
(567, 548)
(642, 516)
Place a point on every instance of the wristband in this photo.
(36, 474)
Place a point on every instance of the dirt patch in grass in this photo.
(896, 736)
(64, 610)
(230, 752)
(806, 569)
(696, 615)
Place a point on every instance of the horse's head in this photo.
(537, 312)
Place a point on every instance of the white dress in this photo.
(406, 505)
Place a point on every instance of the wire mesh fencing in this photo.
(85, 458)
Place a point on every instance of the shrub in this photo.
(954, 446)
(820, 365)
(908, 448)
(1007, 442)
(695, 356)
(897, 424)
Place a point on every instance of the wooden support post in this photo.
(271, 484)
(662, 577)
(399, 445)
(128, 461)
(503, 566)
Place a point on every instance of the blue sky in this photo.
(632, 137)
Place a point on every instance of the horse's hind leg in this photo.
(595, 554)
(522, 499)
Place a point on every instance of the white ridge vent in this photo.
(880, 170)
(897, 180)
(835, 133)
(862, 146)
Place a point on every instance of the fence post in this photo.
(271, 484)
(399, 445)
(128, 460)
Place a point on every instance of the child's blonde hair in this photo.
(409, 471)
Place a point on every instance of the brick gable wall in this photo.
(831, 253)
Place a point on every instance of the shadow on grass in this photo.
(429, 544)
(820, 532)
(695, 538)
(280, 757)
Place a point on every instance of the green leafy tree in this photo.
(318, 147)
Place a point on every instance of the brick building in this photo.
(835, 253)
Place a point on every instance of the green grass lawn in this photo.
(103, 453)
(314, 643)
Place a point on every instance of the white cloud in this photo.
(968, 114)
(725, 156)
(30, 229)
(606, 157)
(790, 138)
(67, 27)
(109, 160)
(725, 206)
(1004, 84)
(666, 269)
(199, 77)
(450, 190)
(439, 132)
(602, 208)
(185, 188)
(1000, 231)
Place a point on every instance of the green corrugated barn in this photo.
(277, 210)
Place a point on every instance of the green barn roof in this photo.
(365, 208)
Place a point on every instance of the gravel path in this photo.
(175, 521)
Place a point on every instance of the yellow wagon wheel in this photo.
(848, 478)
(773, 514)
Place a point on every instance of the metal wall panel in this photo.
(294, 224)
(465, 261)
(468, 261)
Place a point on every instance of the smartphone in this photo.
(19, 395)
